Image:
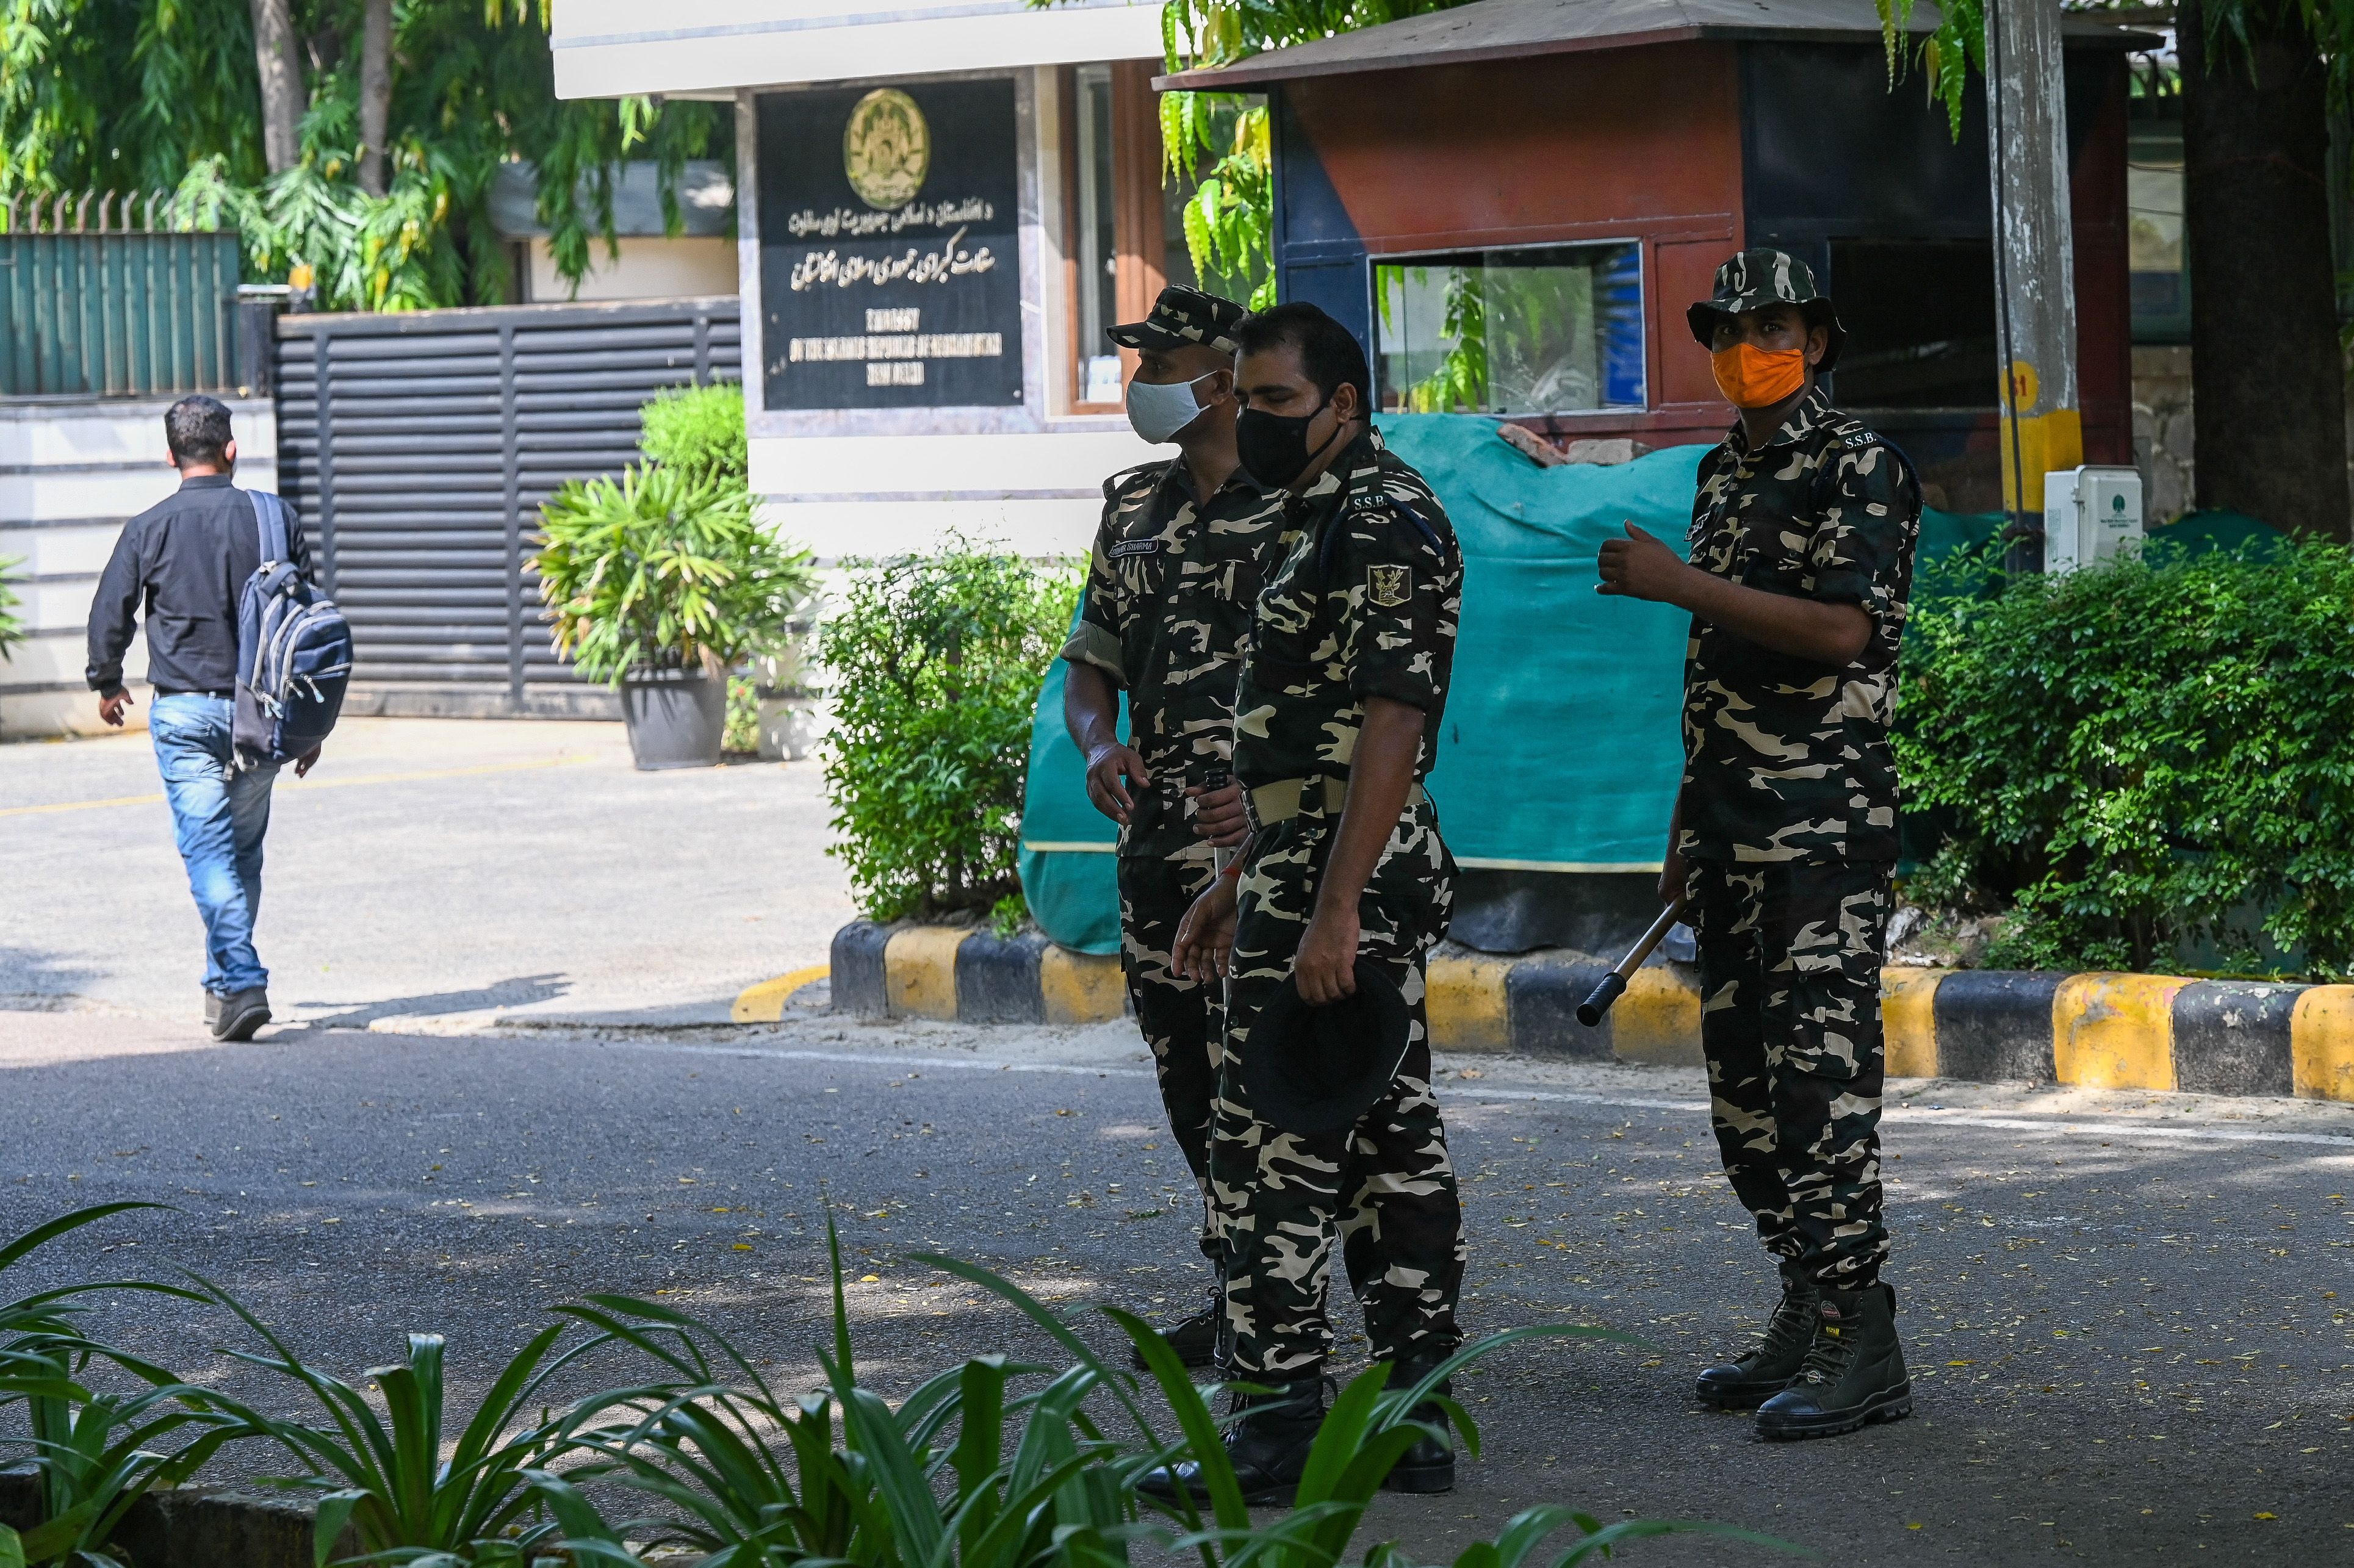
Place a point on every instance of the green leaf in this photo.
(334, 1512)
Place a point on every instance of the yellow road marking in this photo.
(765, 1002)
(310, 784)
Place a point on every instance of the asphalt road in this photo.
(435, 871)
(2122, 1311)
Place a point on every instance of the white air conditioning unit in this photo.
(2090, 514)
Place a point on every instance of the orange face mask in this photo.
(1754, 378)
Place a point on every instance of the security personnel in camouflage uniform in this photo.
(1785, 830)
(1185, 546)
(1337, 722)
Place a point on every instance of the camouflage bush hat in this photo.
(1761, 277)
(1314, 1070)
(1182, 317)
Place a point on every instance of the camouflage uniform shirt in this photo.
(1784, 758)
(1167, 604)
(1364, 605)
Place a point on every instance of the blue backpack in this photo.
(293, 651)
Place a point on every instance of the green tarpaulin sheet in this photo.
(1561, 750)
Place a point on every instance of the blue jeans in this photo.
(219, 818)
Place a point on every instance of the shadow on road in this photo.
(34, 981)
(520, 991)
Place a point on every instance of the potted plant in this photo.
(659, 583)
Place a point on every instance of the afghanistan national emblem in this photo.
(887, 149)
(1388, 586)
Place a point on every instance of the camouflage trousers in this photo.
(1180, 1017)
(1789, 976)
(1384, 1191)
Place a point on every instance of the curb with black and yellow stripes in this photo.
(2099, 1031)
(970, 975)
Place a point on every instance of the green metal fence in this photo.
(120, 314)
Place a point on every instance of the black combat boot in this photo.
(1196, 1339)
(1854, 1373)
(1429, 1465)
(1267, 1447)
(1749, 1380)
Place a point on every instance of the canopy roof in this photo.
(1513, 29)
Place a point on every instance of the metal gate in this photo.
(115, 306)
(418, 448)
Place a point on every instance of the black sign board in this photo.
(890, 271)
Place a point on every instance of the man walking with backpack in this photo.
(185, 565)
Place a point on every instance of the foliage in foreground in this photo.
(663, 569)
(2141, 758)
(934, 664)
(982, 1466)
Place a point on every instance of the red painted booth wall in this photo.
(1638, 144)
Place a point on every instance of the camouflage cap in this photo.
(1315, 1070)
(1763, 277)
(1182, 317)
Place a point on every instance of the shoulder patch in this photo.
(1121, 483)
(1858, 440)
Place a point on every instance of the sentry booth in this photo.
(1514, 202)
(939, 212)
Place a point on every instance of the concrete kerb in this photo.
(196, 1527)
(2100, 1031)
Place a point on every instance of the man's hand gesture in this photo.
(111, 708)
(1205, 937)
(1326, 969)
(1640, 565)
(1108, 765)
(1218, 814)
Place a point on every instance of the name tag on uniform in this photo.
(1135, 548)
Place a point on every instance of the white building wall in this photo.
(610, 48)
(874, 482)
(647, 268)
(72, 472)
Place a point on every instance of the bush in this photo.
(664, 570)
(2144, 758)
(699, 429)
(12, 631)
(934, 665)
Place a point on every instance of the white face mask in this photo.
(1159, 412)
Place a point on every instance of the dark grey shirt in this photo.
(183, 565)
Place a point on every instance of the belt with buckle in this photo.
(1288, 797)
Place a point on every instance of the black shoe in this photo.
(1267, 1447)
(241, 1012)
(212, 1009)
(1196, 1339)
(1749, 1380)
(1429, 1465)
(1854, 1373)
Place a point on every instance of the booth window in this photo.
(1920, 320)
(2160, 278)
(1554, 329)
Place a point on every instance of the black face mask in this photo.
(1274, 447)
